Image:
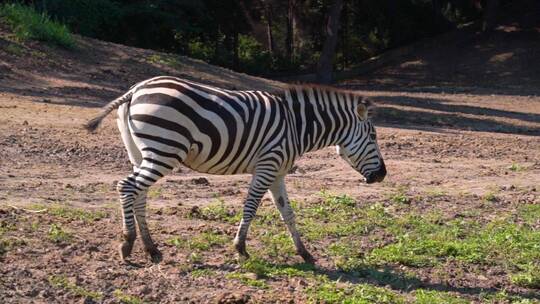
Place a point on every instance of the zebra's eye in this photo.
(373, 136)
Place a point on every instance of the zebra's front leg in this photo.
(140, 216)
(259, 185)
(279, 196)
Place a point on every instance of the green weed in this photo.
(529, 277)
(57, 234)
(490, 197)
(168, 60)
(70, 213)
(515, 167)
(333, 292)
(199, 273)
(434, 296)
(247, 280)
(154, 192)
(27, 23)
(60, 281)
(400, 197)
(217, 211)
(203, 241)
(127, 299)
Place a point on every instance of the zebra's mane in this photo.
(315, 88)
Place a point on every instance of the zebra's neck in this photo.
(321, 116)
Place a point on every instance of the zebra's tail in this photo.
(93, 123)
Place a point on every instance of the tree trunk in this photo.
(269, 35)
(236, 59)
(289, 39)
(257, 27)
(490, 15)
(344, 36)
(325, 65)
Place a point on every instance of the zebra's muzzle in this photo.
(376, 176)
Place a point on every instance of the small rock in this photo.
(232, 298)
(200, 181)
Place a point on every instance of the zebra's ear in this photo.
(365, 108)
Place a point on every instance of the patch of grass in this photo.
(277, 244)
(15, 49)
(195, 258)
(168, 60)
(57, 234)
(528, 278)
(434, 296)
(264, 269)
(8, 243)
(504, 297)
(334, 292)
(247, 279)
(60, 281)
(490, 197)
(70, 213)
(154, 192)
(400, 197)
(126, 299)
(217, 211)
(530, 213)
(201, 242)
(515, 167)
(435, 192)
(337, 200)
(27, 23)
(421, 243)
(199, 273)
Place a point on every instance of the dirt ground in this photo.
(457, 146)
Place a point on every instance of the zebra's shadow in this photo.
(385, 276)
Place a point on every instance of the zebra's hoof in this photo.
(241, 249)
(308, 258)
(125, 250)
(155, 256)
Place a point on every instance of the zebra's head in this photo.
(360, 149)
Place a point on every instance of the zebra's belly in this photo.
(222, 165)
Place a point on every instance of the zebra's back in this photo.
(208, 129)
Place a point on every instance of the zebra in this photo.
(167, 121)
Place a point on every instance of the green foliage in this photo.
(248, 280)
(126, 298)
(332, 292)
(201, 242)
(199, 273)
(57, 234)
(90, 18)
(490, 197)
(60, 281)
(217, 211)
(219, 32)
(70, 213)
(253, 58)
(27, 23)
(433, 296)
(515, 167)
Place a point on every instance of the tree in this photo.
(325, 64)
(490, 15)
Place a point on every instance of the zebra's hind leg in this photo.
(132, 192)
(279, 196)
(259, 185)
(140, 217)
(128, 192)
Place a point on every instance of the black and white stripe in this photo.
(167, 121)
